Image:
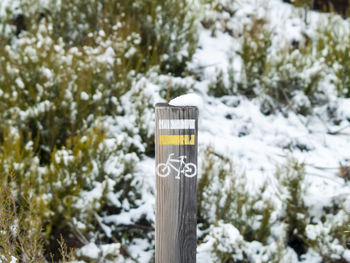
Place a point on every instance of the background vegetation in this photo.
(65, 68)
(70, 71)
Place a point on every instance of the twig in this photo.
(144, 228)
(328, 130)
(338, 131)
(324, 177)
(322, 167)
(78, 234)
(207, 66)
(289, 106)
(125, 250)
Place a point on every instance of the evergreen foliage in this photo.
(238, 224)
(65, 68)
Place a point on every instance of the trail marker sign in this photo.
(176, 183)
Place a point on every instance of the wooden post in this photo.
(176, 183)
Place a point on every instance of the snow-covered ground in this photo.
(235, 127)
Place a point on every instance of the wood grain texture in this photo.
(176, 204)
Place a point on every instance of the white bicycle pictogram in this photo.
(187, 169)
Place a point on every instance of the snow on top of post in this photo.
(190, 99)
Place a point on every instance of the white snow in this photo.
(20, 83)
(90, 251)
(108, 56)
(227, 239)
(84, 96)
(188, 100)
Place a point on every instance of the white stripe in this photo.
(177, 124)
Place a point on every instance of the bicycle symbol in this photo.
(187, 169)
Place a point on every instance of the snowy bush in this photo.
(224, 243)
(21, 225)
(333, 46)
(224, 199)
(222, 196)
(58, 90)
(20, 232)
(69, 68)
(256, 42)
(172, 87)
(268, 224)
(296, 213)
(219, 87)
(167, 29)
(329, 236)
(293, 82)
(284, 74)
(284, 78)
(85, 177)
(170, 31)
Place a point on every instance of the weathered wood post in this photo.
(176, 183)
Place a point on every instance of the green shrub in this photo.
(287, 79)
(58, 90)
(218, 87)
(49, 136)
(170, 30)
(20, 226)
(333, 45)
(297, 216)
(293, 80)
(330, 237)
(167, 29)
(228, 244)
(88, 178)
(64, 68)
(76, 66)
(222, 196)
(238, 226)
(256, 42)
(172, 87)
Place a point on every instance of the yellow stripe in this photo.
(176, 139)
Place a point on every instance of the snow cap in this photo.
(190, 99)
